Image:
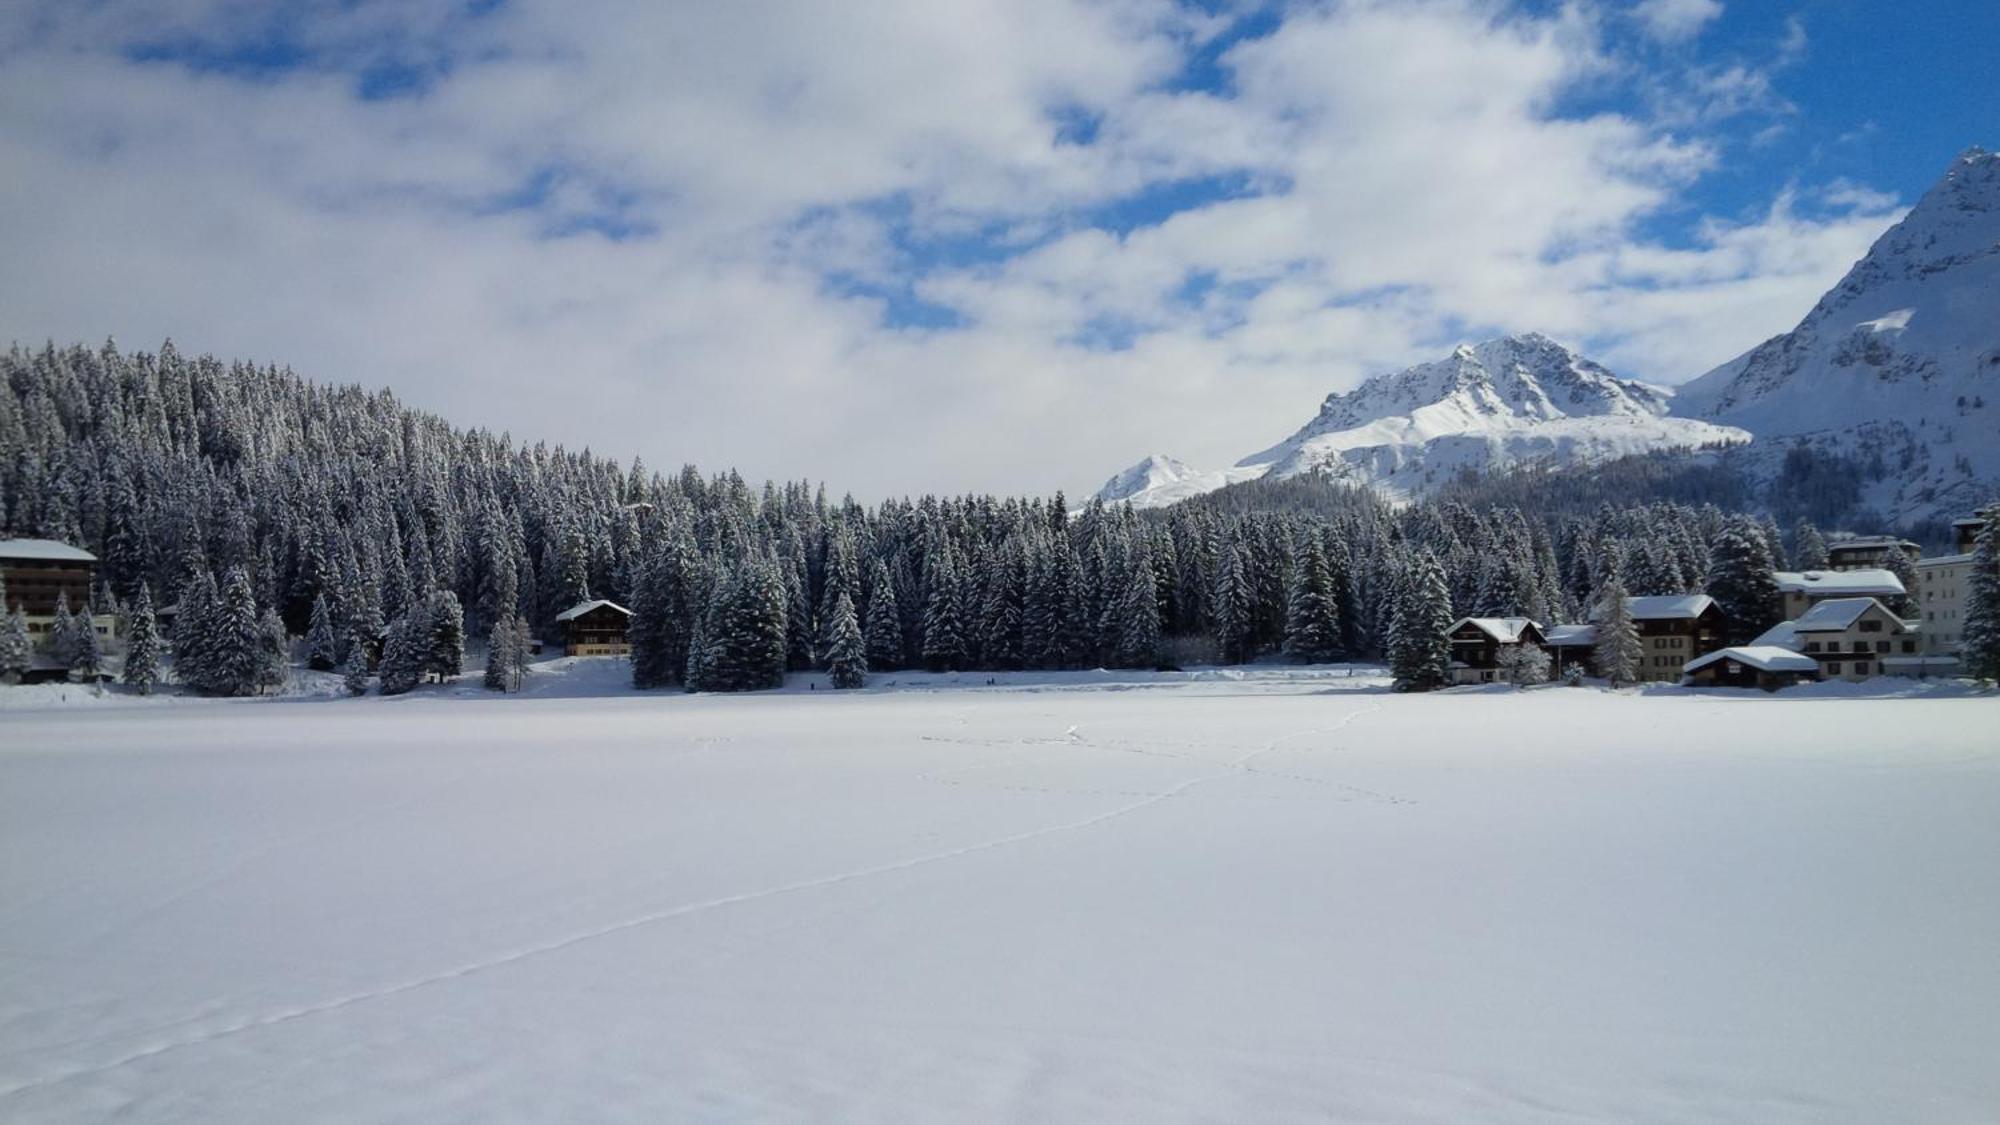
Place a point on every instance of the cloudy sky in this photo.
(938, 245)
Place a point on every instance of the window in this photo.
(1812, 646)
(1861, 667)
(1909, 646)
(1871, 626)
(1881, 646)
(1833, 668)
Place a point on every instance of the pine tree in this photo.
(86, 662)
(746, 641)
(142, 649)
(354, 673)
(1899, 564)
(62, 639)
(402, 663)
(1419, 634)
(273, 652)
(1808, 547)
(194, 628)
(16, 653)
(233, 643)
(502, 661)
(1139, 617)
(1979, 640)
(944, 621)
(885, 622)
(1619, 650)
(847, 655)
(1741, 581)
(1232, 608)
(444, 636)
(1312, 609)
(322, 651)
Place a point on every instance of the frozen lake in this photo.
(1270, 899)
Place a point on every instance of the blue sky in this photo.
(1034, 239)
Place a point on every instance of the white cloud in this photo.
(1676, 21)
(1408, 180)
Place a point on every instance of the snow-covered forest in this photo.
(243, 496)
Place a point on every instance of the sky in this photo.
(908, 246)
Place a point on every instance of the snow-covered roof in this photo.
(43, 550)
(1936, 561)
(1569, 635)
(581, 608)
(1868, 581)
(1835, 615)
(1764, 658)
(1669, 607)
(1784, 634)
(1858, 542)
(1506, 630)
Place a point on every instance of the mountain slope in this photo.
(1160, 480)
(1504, 402)
(1900, 361)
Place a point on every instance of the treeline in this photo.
(365, 526)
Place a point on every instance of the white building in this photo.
(1800, 590)
(1852, 638)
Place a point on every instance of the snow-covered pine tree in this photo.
(944, 625)
(444, 636)
(274, 652)
(500, 658)
(194, 627)
(142, 643)
(1808, 547)
(402, 665)
(322, 649)
(884, 635)
(62, 640)
(1619, 650)
(1312, 608)
(1741, 580)
(1524, 665)
(16, 651)
(354, 671)
(1979, 639)
(1899, 564)
(1420, 633)
(1139, 618)
(86, 662)
(847, 655)
(746, 643)
(233, 644)
(1231, 606)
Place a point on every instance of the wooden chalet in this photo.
(1571, 646)
(1751, 666)
(1867, 552)
(1477, 642)
(1674, 629)
(596, 628)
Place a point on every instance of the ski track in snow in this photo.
(1236, 767)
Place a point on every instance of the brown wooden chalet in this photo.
(596, 628)
(1674, 629)
(1477, 642)
(1760, 666)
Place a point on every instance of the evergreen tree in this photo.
(944, 619)
(1899, 564)
(503, 660)
(16, 653)
(233, 643)
(1232, 608)
(444, 636)
(847, 654)
(885, 623)
(354, 672)
(746, 641)
(402, 665)
(1979, 640)
(1420, 632)
(142, 648)
(274, 645)
(1139, 617)
(193, 629)
(87, 658)
(1619, 650)
(1808, 547)
(62, 638)
(322, 651)
(1741, 581)
(1312, 609)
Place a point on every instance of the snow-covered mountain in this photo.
(1901, 359)
(1504, 402)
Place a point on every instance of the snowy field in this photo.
(1210, 898)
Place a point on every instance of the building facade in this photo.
(1940, 598)
(596, 628)
(1674, 630)
(40, 573)
(1867, 552)
(1851, 638)
(1800, 590)
(1478, 642)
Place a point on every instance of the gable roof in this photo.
(581, 608)
(1868, 542)
(1506, 630)
(1571, 635)
(1867, 582)
(1669, 607)
(1784, 634)
(43, 550)
(1764, 658)
(1836, 614)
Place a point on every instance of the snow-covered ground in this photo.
(1257, 896)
